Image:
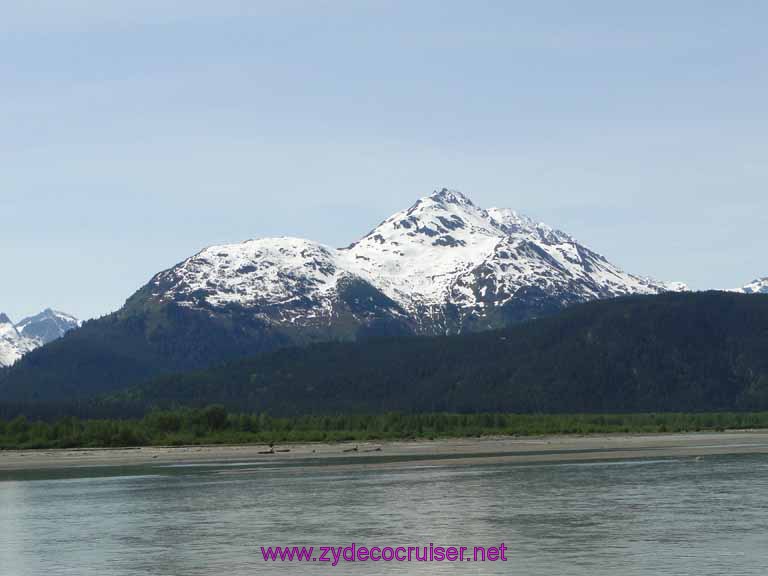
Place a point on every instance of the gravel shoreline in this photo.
(404, 453)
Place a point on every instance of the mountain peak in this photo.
(445, 195)
(32, 332)
(50, 313)
(446, 251)
(47, 325)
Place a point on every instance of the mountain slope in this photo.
(443, 266)
(672, 352)
(151, 335)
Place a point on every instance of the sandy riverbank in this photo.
(404, 453)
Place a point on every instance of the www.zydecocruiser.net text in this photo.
(334, 555)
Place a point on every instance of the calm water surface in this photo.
(676, 517)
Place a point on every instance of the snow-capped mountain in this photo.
(458, 263)
(18, 339)
(12, 344)
(281, 281)
(47, 326)
(441, 266)
(759, 286)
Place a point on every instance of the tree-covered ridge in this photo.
(146, 338)
(672, 352)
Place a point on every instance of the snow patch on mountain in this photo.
(12, 344)
(288, 278)
(676, 286)
(759, 286)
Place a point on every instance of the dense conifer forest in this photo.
(670, 353)
(675, 352)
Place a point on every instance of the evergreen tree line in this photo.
(214, 425)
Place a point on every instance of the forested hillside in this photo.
(672, 352)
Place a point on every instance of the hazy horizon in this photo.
(134, 135)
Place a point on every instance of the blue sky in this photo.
(132, 134)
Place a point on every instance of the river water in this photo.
(677, 516)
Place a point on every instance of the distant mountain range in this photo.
(32, 332)
(443, 266)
